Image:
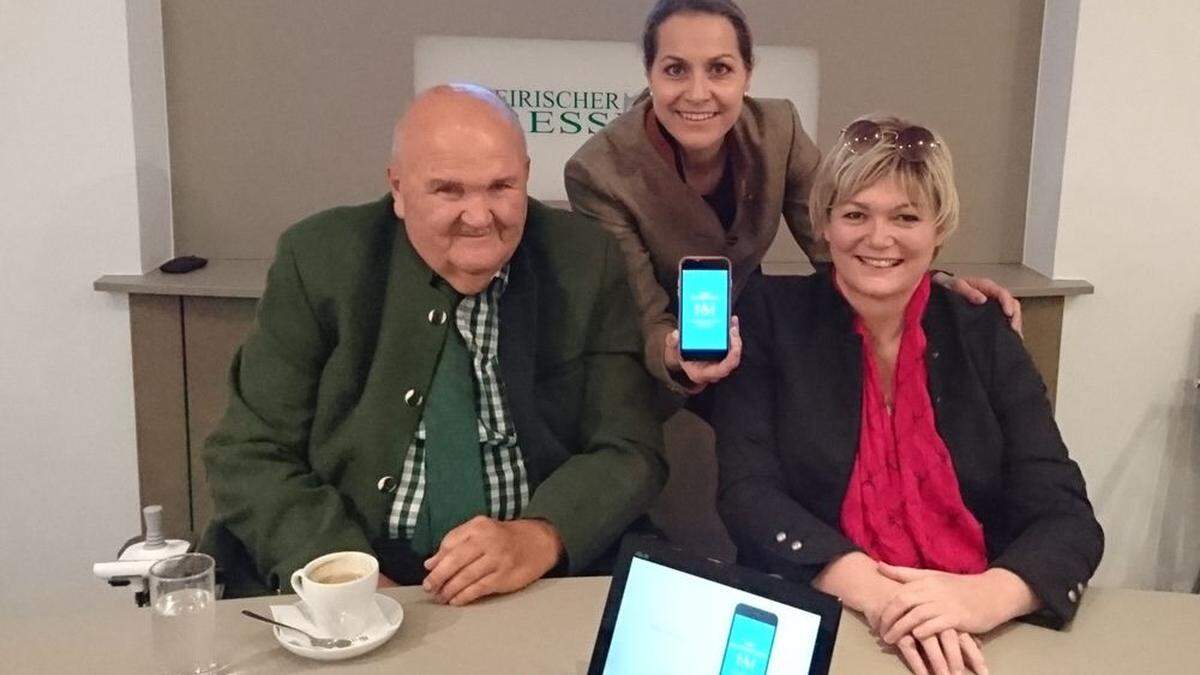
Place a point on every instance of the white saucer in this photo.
(379, 629)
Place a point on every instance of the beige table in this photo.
(550, 627)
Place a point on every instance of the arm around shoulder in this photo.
(802, 161)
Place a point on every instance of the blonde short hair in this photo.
(843, 173)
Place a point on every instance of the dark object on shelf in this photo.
(185, 263)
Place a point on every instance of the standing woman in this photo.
(698, 167)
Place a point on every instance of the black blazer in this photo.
(787, 424)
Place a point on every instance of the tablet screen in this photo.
(671, 621)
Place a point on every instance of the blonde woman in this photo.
(889, 441)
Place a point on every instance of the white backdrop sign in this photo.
(566, 90)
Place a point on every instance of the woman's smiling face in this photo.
(881, 243)
(698, 79)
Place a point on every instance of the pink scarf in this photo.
(903, 505)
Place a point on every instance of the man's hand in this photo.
(385, 582)
(947, 653)
(979, 289)
(484, 556)
(931, 602)
(700, 374)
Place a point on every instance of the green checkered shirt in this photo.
(478, 320)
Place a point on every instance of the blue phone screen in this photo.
(749, 649)
(704, 310)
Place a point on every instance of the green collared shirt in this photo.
(477, 318)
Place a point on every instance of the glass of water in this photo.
(183, 613)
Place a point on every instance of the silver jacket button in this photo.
(1072, 596)
(780, 536)
(387, 485)
(437, 317)
(413, 398)
(797, 545)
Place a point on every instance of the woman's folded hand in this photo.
(930, 602)
(949, 652)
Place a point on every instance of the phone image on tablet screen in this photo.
(674, 612)
(704, 289)
(751, 636)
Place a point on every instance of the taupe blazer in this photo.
(621, 179)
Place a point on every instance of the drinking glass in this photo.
(183, 613)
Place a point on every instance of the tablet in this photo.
(673, 612)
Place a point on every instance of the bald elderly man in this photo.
(448, 378)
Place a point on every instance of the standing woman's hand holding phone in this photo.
(707, 346)
(696, 375)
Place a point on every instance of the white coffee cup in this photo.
(339, 589)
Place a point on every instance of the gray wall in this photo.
(69, 210)
(279, 108)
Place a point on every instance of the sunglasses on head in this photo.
(912, 143)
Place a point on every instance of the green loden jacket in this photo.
(327, 391)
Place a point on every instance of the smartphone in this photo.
(751, 636)
(704, 287)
